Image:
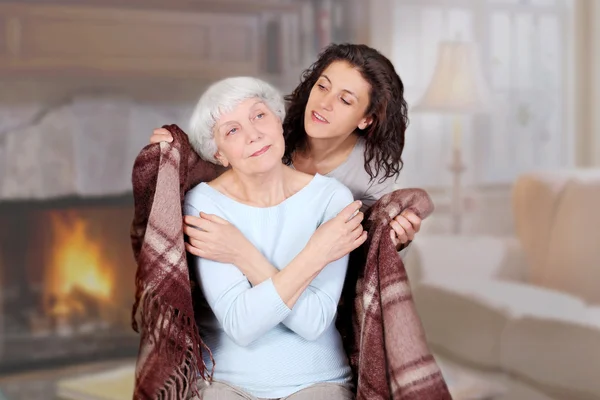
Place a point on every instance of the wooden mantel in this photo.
(227, 6)
(189, 38)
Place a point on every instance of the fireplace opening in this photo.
(66, 282)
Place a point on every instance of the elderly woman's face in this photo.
(250, 138)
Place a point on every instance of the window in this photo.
(523, 50)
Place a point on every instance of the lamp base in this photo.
(457, 167)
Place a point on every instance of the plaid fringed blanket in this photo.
(377, 318)
(381, 329)
(170, 353)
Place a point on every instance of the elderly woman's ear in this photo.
(222, 160)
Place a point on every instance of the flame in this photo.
(77, 263)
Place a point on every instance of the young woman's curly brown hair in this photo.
(385, 136)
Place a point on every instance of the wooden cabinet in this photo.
(114, 40)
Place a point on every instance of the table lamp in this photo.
(457, 88)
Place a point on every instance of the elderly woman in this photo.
(268, 317)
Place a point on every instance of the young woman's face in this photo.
(337, 103)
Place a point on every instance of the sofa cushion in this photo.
(560, 350)
(467, 316)
(439, 256)
(536, 196)
(574, 248)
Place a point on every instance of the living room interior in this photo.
(504, 135)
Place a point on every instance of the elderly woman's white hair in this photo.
(222, 97)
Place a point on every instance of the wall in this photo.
(595, 99)
(586, 46)
(381, 27)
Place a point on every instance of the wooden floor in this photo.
(41, 385)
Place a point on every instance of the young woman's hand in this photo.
(338, 236)
(404, 227)
(161, 135)
(214, 238)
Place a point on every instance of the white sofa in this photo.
(524, 307)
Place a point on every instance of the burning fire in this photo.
(78, 271)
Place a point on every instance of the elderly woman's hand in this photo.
(340, 235)
(213, 238)
(404, 228)
(161, 135)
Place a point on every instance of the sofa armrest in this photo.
(436, 257)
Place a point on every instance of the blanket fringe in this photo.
(178, 342)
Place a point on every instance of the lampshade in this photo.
(457, 85)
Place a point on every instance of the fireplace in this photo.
(66, 281)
